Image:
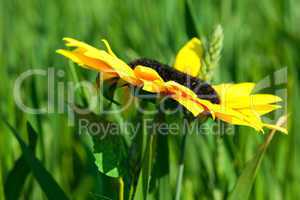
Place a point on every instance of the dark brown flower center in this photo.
(200, 87)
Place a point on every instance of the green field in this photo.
(261, 38)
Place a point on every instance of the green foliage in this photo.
(190, 24)
(18, 175)
(110, 155)
(245, 181)
(44, 178)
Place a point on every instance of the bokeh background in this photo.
(260, 37)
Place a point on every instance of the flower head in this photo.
(232, 103)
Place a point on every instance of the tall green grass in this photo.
(260, 37)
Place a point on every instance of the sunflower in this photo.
(231, 103)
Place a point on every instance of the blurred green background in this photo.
(260, 37)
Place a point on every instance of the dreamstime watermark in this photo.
(61, 99)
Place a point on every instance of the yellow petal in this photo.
(188, 98)
(252, 101)
(180, 89)
(275, 127)
(234, 90)
(190, 105)
(70, 55)
(119, 66)
(188, 59)
(109, 50)
(90, 54)
(70, 42)
(262, 99)
(237, 121)
(230, 93)
(85, 61)
(154, 86)
(251, 117)
(152, 82)
(146, 73)
(232, 116)
(262, 109)
(234, 120)
(238, 96)
(242, 108)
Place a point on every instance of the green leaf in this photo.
(110, 151)
(110, 155)
(17, 176)
(190, 24)
(43, 177)
(245, 181)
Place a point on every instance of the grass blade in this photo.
(245, 181)
(17, 176)
(142, 188)
(190, 24)
(43, 177)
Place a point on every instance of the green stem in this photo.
(121, 188)
(75, 77)
(181, 165)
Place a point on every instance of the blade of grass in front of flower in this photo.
(245, 181)
(138, 189)
(138, 150)
(35, 102)
(157, 151)
(148, 163)
(17, 176)
(145, 173)
(160, 172)
(190, 25)
(43, 177)
(179, 181)
(83, 94)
